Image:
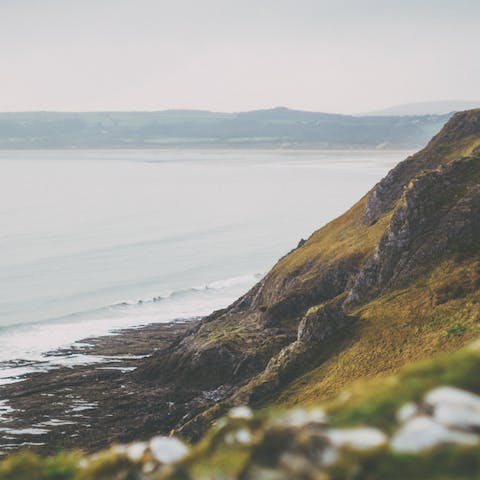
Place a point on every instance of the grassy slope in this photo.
(395, 329)
(438, 312)
(343, 237)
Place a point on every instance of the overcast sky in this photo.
(228, 55)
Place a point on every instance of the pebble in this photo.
(135, 451)
(242, 436)
(455, 408)
(407, 412)
(244, 413)
(167, 449)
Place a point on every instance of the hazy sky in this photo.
(229, 55)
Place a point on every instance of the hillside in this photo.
(394, 279)
(273, 128)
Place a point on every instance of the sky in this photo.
(345, 56)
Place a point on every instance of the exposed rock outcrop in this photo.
(437, 216)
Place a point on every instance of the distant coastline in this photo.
(259, 129)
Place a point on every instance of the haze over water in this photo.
(94, 241)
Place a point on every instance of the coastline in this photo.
(90, 406)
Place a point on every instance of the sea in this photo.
(96, 241)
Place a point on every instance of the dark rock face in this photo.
(318, 324)
(253, 330)
(317, 327)
(384, 195)
(438, 215)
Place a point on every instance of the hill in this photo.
(278, 127)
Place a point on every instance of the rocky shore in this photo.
(422, 423)
(90, 406)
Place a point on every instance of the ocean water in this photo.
(96, 241)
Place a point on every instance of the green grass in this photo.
(375, 402)
(439, 312)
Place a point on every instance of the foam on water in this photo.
(24, 431)
(37, 347)
(5, 410)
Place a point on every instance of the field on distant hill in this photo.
(278, 127)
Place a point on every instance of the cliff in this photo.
(394, 279)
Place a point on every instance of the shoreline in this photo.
(90, 406)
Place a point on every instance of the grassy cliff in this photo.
(394, 279)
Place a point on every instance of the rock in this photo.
(321, 323)
(167, 449)
(136, 451)
(363, 438)
(242, 436)
(424, 225)
(244, 413)
(423, 433)
(329, 456)
(454, 408)
(390, 188)
(407, 412)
